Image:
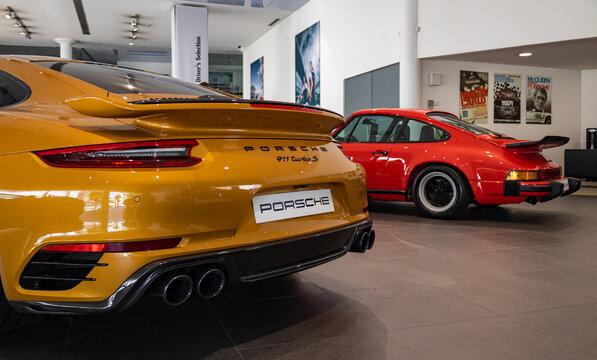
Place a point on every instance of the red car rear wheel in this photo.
(441, 192)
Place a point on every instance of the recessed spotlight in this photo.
(134, 35)
(525, 54)
(131, 43)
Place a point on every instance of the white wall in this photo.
(588, 99)
(566, 99)
(457, 26)
(355, 37)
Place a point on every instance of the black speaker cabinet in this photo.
(581, 163)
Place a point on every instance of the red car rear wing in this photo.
(545, 143)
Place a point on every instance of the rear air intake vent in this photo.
(59, 270)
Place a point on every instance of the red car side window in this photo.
(419, 131)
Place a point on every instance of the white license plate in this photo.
(566, 184)
(276, 207)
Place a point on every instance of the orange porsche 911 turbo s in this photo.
(118, 182)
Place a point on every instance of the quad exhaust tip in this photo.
(210, 283)
(173, 289)
(364, 241)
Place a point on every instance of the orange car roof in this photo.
(30, 58)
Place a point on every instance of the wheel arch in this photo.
(417, 169)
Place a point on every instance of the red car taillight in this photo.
(533, 175)
(159, 153)
(117, 247)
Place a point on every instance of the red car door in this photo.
(368, 141)
(414, 145)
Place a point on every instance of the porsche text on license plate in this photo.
(275, 207)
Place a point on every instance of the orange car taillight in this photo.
(158, 153)
(116, 247)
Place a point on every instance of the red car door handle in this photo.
(379, 153)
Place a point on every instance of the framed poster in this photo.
(473, 96)
(257, 79)
(506, 98)
(538, 99)
(306, 74)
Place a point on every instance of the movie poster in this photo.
(473, 96)
(257, 79)
(506, 98)
(538, 99)
(307, 66)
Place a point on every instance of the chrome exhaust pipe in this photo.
(172, 289)
(361, 242)
(364, 243)
(210, 283)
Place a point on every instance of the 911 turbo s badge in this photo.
(283, 150)
(292, 205)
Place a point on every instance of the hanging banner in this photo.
(189, 43)
(506, 98)
(307, 66)
(257, 79)
(538, 99)
(473, 96)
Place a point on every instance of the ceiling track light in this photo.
(11, 14)
(134, 29)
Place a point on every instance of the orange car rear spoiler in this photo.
(110, 107)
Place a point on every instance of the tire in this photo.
(13, 320)
(441, 192)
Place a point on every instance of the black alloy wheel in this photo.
(441, 192)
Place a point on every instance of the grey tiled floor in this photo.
(515, 282)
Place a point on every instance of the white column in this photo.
(410, 65)
(190, 56)
(66, 47)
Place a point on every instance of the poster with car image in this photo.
(506, 98)
(539, 99)
(257, 79)
(473, 96)
(307, 66)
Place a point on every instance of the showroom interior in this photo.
(508, 282)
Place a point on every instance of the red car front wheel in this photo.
(441, 192)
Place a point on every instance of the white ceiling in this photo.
(578, 54)
(109, 23)
(229, 27)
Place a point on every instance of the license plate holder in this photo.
(274, 207)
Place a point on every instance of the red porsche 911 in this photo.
(443, 163)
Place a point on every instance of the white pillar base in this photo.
(66, 47)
